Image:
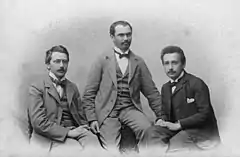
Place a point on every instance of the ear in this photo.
(111, 36)
(48, 66)
(184, 66)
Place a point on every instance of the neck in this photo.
(176, 79)
(55, 77)
(120, 50)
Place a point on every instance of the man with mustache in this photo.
(112, 94)
(55, 110)
(191, 122)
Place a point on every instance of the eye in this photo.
(120, 35)
(57, 61)
(65, 61)
(166, 63)
(129, 34)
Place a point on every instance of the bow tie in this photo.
(172, 84)
(121, 55)
(58, 83)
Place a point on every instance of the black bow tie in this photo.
(121, 55)
(59, 83)
(172, 84)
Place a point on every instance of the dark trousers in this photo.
(161, 137)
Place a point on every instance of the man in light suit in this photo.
(112, 94)
(55, 110)
(191, 122)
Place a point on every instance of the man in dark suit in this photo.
(190, 116)
(55, 111)
(112, 93)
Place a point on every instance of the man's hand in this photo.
(78, 131)
(173, 126)
(161, 122)
(94, 127)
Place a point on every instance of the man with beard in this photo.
(191, 123)
(112, 94)
(55, 111)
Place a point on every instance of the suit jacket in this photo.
(45, 112)
(101, 90)
(192, 106)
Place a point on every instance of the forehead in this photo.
(171, 57)
(122, 29)
(59, 55)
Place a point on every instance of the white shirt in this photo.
(123, 62)
(171, 80)
(58, 87)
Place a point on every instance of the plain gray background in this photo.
(207, 31)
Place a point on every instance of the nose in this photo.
(125, 37)
(170, 66)
(61, 64)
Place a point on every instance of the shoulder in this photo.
(106, 54)
(38, 84)
(138, 58)
(72, 85)
(196, 81)
(38, 81)
(164, 86)
(139, 61)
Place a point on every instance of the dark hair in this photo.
(174, 49)
(113, 26)
(58, 48)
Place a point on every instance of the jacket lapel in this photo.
(112, 67)
(132, 65)
(180, 84)
(51, 89)
(69, 91)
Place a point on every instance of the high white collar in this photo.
(54, 77)
(120, 51)
(180, 76)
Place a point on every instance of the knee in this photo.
(145, 126)
(156, 131)
(150, 130)
(89, 139)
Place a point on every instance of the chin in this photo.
(172, 77)
(61, 76)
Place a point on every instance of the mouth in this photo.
(61, 71)
(171, 73)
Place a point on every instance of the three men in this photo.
(55, 110)
(112, 99)
(190, 116)
(112, 93)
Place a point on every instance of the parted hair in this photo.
(58, 48)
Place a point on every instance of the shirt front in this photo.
(58, 87)
(122, 62)
(171, 80)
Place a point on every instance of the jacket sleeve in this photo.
(203, 106)
(150, 91)
(91, 90)
(40, 122)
